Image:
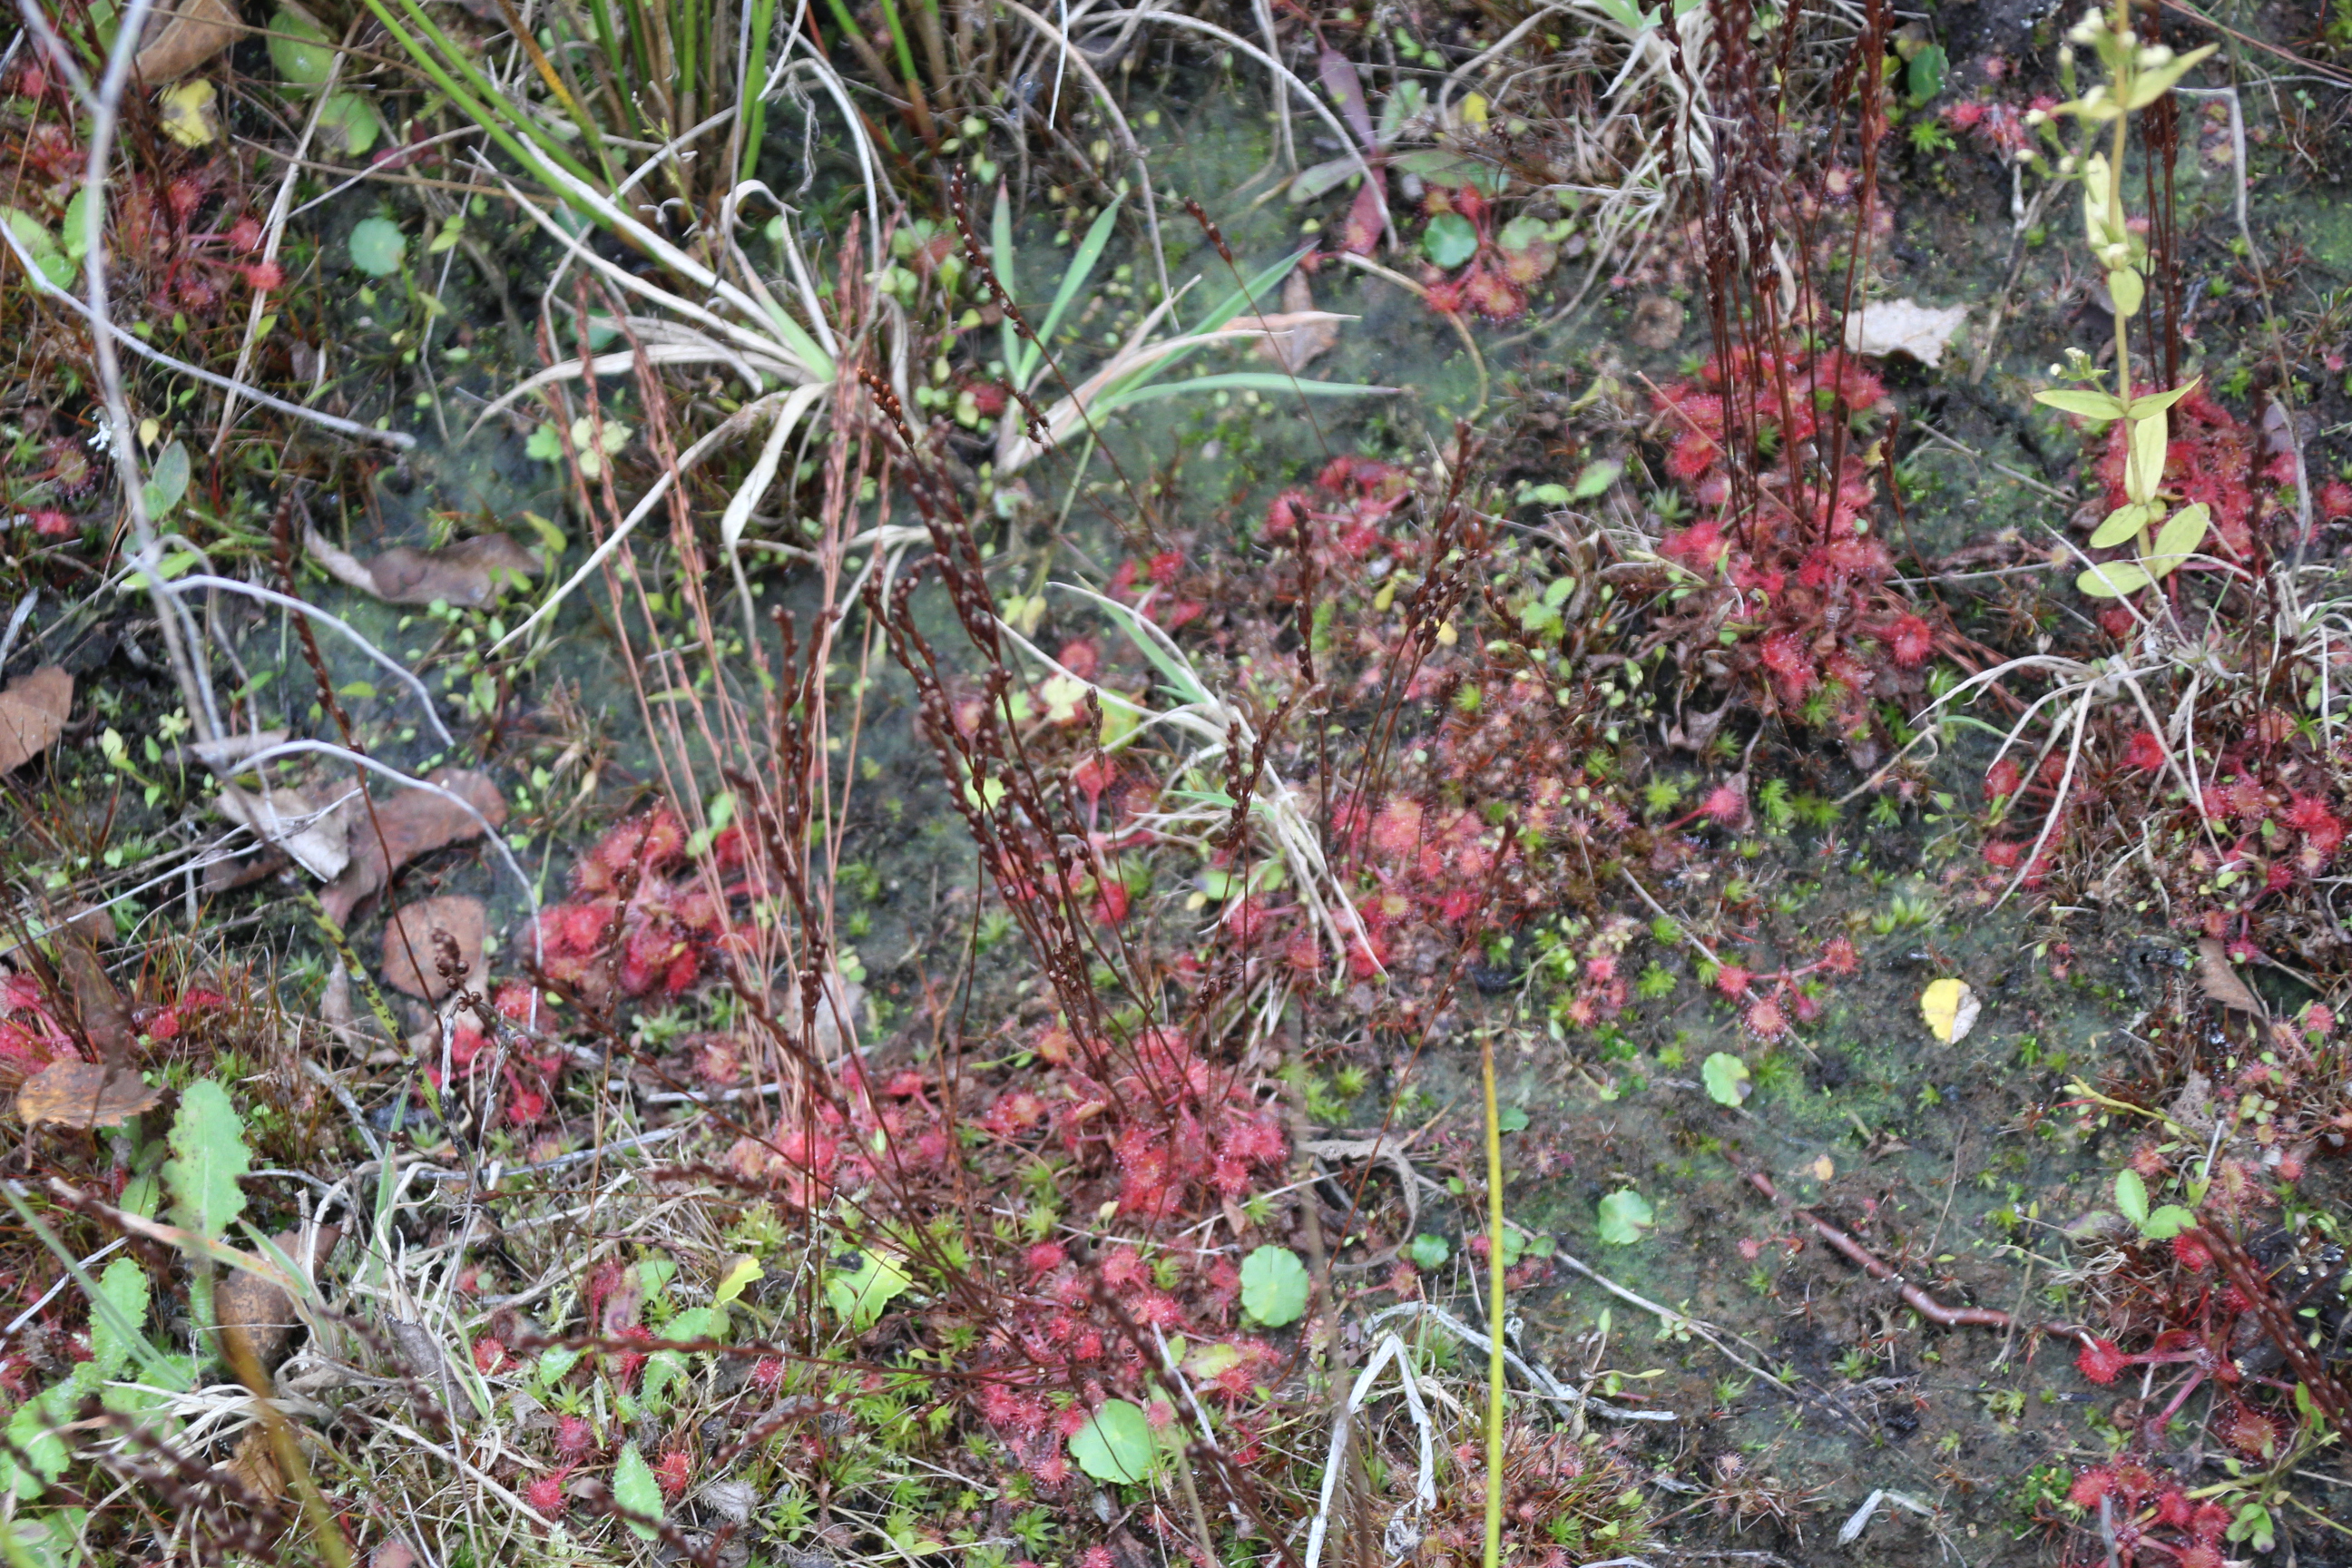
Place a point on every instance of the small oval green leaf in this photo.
(2131, 1196)
(299, 48)
(208, 1155)
(1727, 1078)
(2112, 581)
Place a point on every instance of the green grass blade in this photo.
(1073, 278)
(763, 22)
(1253, 292)
(1000, 260)
(543, 146)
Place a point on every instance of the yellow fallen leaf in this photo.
(1474, 109)
(1951, 1008)
(188, 113)
(1823, 1168)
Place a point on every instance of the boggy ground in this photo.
(988, 1085)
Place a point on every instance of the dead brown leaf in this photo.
(32, 715)
(254, 1466)
(82, 1095)
(1301, 334)
(412, 943)
(256, 1316)
(1903, 326)
(105, 1018)
(467, 573)
(414, 822)
(182, 35)
(2219, 981)
(1657, 321)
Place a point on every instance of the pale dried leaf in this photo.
(314, 834)
(1657, 321)
(2219, 981)
(182, 35)
(1300, 333)
(412, 943)
(414, 822)
(33, 715)
(1902, 326)
(82, 1095)
(467, 575)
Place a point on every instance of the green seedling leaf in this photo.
(300, 48)
(2125, 522)
(2112, 581)
(2147, 86)
(1449, 240)
(635, 1488)
(1428, 1251)
(2131, 1196)
(2167, 1223)
(208, 1155)
(1596, 478)
(2088, 404)
(1322, 178)
(1727, 1078)
(1274, 1286)
(1512, 1118)
(75, 231)
(1115, 1444)
(378, 248)
(860, 1295)
(1435, 166)
(166, 482)
(40, 244)
(1924, 77)
(1624, 1217)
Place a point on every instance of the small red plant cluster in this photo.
(1791, 992)
(2148, 1512)
(641, 920)
(1344, 521)
(1802, 581)
(1496, 279)
(528, 1068)
(31, 1035)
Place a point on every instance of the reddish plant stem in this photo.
(1877, 1267)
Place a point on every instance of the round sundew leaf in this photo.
(378, 248)
(299, 48)
(1449, 240)
(1115, 1444)
(1274, 1286)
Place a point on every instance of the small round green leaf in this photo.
(1428, 1251)
(1115, 1444)
(378, 248)
(299, 48)
(1449, 240)
(1727, 1078)
(1274, 1286)
(1929, 68)
(1624, 1216)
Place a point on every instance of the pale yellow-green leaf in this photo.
(745, 1271)
(2085, 402)
(2125, 288)
(2158, 402)
(2144, 467)
(2124, 523)
(2097, 181)
(188, 113)
(1951, 1008)
(2112, 581)
(2178, 540)
(2147, 86)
